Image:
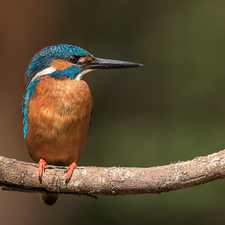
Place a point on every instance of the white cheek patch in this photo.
(51, 69)
(80, 75)
(43, 72)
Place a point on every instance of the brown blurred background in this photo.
(171, 109)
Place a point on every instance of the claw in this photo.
(70, 170)
(42, 165)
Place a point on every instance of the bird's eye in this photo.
(74, 58)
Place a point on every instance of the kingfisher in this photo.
(57, 106)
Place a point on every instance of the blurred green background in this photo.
(171, 109)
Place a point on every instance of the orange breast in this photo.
(58, 120)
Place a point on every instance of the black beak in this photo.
(98, 63)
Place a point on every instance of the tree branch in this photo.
(22, 176)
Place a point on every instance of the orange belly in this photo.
(58, 120)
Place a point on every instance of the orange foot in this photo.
(42, 165)
(70, 170)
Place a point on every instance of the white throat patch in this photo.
(80, 75)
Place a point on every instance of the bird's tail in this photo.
(49, 199)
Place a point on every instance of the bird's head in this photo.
(68, 61)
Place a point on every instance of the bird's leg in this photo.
(70, 170)
(42, 165)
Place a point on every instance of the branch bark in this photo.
(22, 176)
